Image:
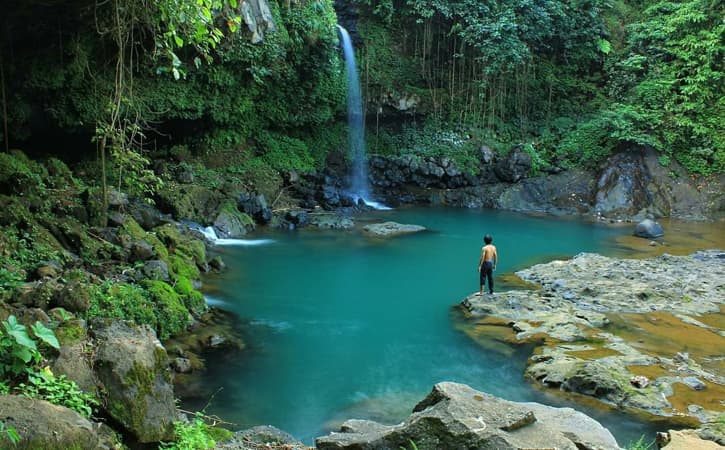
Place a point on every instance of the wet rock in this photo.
(132, 367)
(231, 223)
(43, 425)
(694, 383)
(256, 206)
(331, 221)
(456, 416)
(648, 229)
(390, 229)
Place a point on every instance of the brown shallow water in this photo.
(681, 238)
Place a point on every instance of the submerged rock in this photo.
(390, 229)
(456, 416)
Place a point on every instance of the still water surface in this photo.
(343, 326)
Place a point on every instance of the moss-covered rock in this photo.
(44, 426)
(19, 174)
(173, 317)
(132, 367)
(232, 223)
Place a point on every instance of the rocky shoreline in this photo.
(572, 316)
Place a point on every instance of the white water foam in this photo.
(210, 234)
(211, 301)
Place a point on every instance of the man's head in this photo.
(487, 239)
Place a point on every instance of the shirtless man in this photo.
(487, 263)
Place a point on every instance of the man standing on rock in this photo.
(487, 263)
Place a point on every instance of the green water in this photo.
(342, 326)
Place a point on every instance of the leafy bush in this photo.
(194, 435)
(19, 354)
(59, 391)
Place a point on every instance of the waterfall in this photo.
(359, 187)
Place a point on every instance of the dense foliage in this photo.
(578, 80)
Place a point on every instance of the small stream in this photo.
(342, 326)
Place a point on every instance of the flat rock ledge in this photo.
(572, 305)
(391, 229)
(455, 416)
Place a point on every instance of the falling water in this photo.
(356, 135)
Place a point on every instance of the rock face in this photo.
(390, 229)
(455, 416)
(43, 425)
(132, 367)
(622, 186)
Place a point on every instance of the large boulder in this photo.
(515, 166)
(456, 416)
(231, 223)
(43, 425)
(132, 368)
(622, 186)
(649, 229)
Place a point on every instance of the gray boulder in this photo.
(649, 229)
(230, 223)
(156, 269)
(132, 368)
(456, 416)
(390, 229)
(43, 425)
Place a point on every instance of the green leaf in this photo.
(18, 332)
(179, 41)
(604, 46)
(23, 354)
(45, 334)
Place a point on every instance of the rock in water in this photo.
(648, 229)
(389, 229)
(456, 416)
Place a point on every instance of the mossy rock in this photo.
(181, 242)
(133, 230)
(19, 174)
(71, 331)
(45, 426)
(232, 223)
(173, 317)
(132, 366)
